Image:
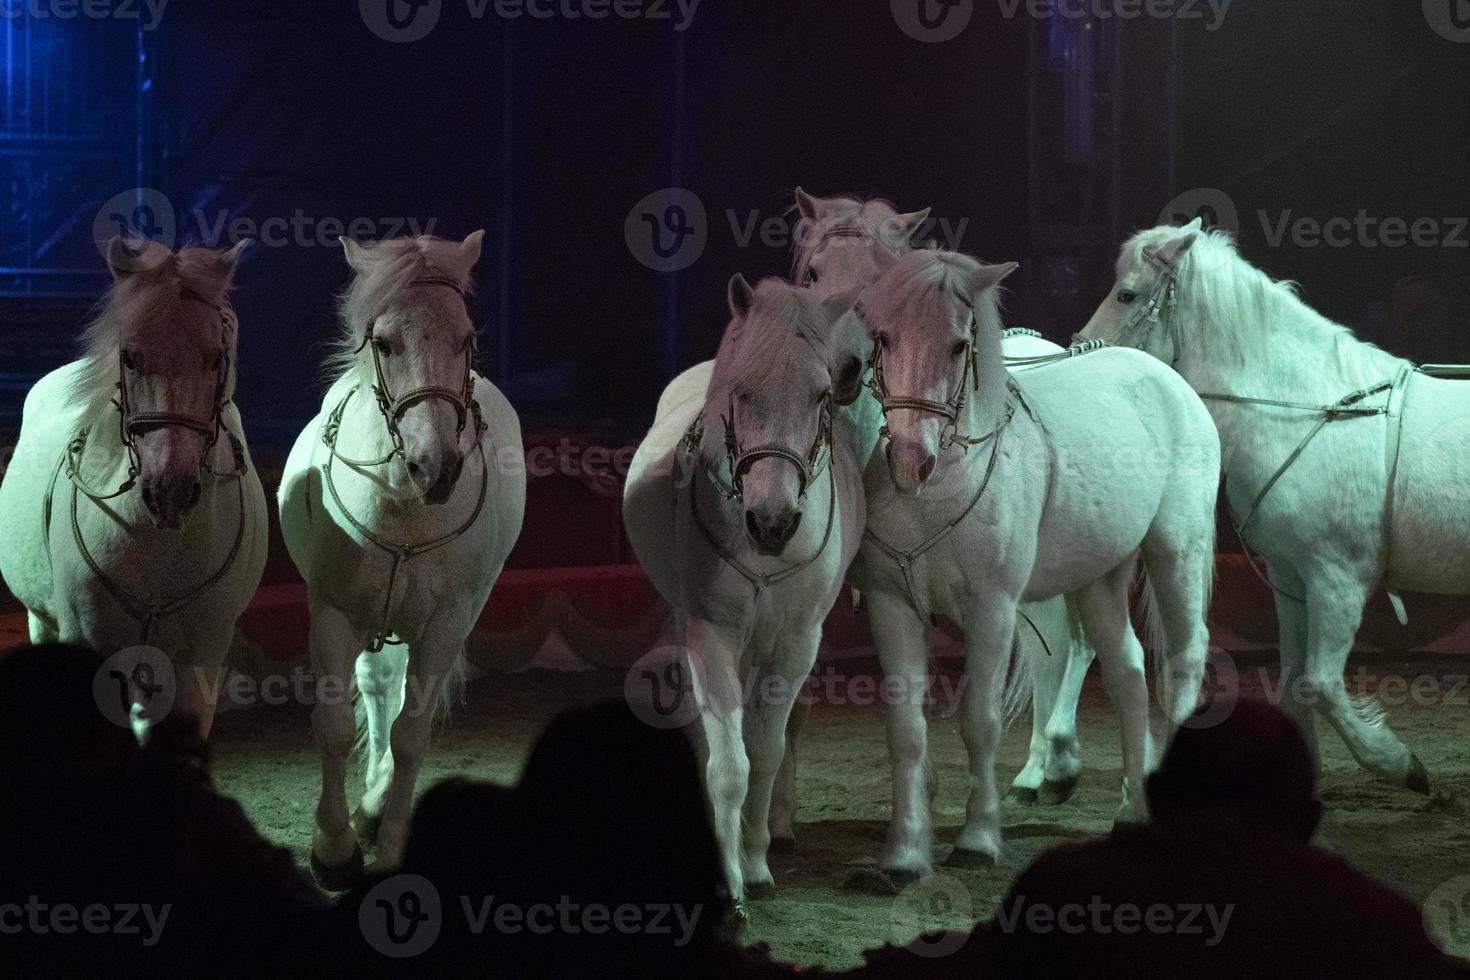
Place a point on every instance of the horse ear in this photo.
(230, 259)
(990, 276)
(469, 249)
(1177, 247)
(808, 206)
(742, 296)
(913, 221)
(357, 255)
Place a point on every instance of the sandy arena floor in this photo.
(265, 757)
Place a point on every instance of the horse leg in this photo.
(433, 657)
(727, 768)
(1103, 606)
(198, 688)
(1064, 749)
(1335, 600)
(1180, 569)
(902, 639)
(381, 678)
(42, 628)
(1047, 672)
(988, 634)
(1292, 617)
(336, 857)
(782, 820)
(766, 720)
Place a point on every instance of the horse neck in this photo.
(1288, 351)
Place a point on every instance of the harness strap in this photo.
(906, 559)
(399, 552)
(1343, 408)
(762, 581)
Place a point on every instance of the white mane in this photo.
(1236, 322)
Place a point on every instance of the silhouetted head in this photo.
(164, 349)
(405, 317)
(1253, 767)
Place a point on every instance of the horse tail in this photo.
(1028, 642)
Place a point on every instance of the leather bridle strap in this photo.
(808, 468)
(1161, 303)
(1344, 408)
(950, 409)
(398, 551)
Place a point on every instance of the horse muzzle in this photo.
(169, 499)
(435, 480)
(770, 531)
(910, 464)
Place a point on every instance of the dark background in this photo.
(1053, 138)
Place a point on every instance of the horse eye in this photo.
(882, 339)
(1126, 296)
(811, 277)
(958, 349)
(381, 346)
(128, 362)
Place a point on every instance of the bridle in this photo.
(950, 409)
(130, 422)
(808, 467)
(1160, 305)
(146, 613)
(846, 230)
(392, 408)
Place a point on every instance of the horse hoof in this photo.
(366, 827)
(875, 881)
(968, 860)
(1055, 792)
(339, 878)
(1024, 795)
(1418, 780)
(783, 845)
(760, 891)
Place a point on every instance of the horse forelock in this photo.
(873, 219)
(157, 294)
(929, 287)
(392, 266)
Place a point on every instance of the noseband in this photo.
(808, 467)
(393, 408)
(950, 409)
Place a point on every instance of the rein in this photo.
(146, 613)
(906, 559)
(391, 409)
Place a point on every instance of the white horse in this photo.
(399, 504)
(133, 516)
(1344, 466)
(991, 492)
(838, 245)
(744, 505)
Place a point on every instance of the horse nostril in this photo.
(752, 526)
(196, 494)
(148, 500)
(416, 472)
(926, 469)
